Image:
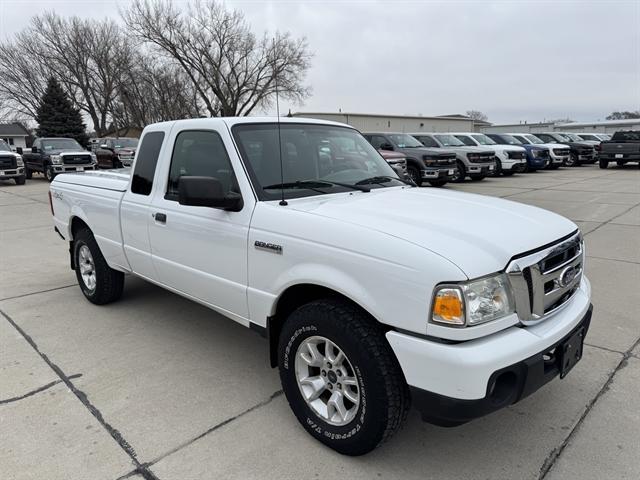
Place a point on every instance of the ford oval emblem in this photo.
(567, 276)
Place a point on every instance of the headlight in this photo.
(473, 156)
(19, 161)
(536, 153)
(474, 302)
(56, 159)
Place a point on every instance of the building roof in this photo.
(13, 130)
(441, 117)
(632, 121)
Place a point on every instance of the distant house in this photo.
(14, 134)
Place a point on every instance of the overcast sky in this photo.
(513, 60)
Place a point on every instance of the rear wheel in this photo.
(603, 163)
(99, 283)
(437, 183)
(27, 173)
(414, 174)
(460, 173)
(20, 180)
(340, 377)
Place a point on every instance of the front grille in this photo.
(543, 154)
(8, 161)
(481, 158)
(440, 160)
(516, 155)
(561, 151)
(546, 280)
(586, 151)
(76, 159)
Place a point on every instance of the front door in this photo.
(201, 251)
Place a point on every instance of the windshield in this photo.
(60, 144)
(604, 137)
(316, 159)
(534, 139)
(572, 137)
(4, 147)
(449, 141)
(483, 139)
(509, 140)
(402, 140)
(125, 143)
(588, 137)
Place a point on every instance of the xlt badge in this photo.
(268, 246)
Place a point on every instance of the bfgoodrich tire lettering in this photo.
(106, 284)
(383, 393)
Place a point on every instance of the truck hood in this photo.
(506, 148)
(477, 233)
(554, 145)
(473, 149)
(67, 152)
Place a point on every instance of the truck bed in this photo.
(94, 198)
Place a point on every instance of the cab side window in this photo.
(200, 153)
(378, 140)
(145, 169)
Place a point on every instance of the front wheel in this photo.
(99, 283)
(340, 377)
(437, 183)
(414, 174)
(459, 173)
(603, 163)
(572, 160)
(49, 174)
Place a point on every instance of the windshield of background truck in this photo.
(4, 147)
(449, 141)
(402, 140)
(484, 140)
(534, 139)
(573, 137)
(125, 143)
(510, 140)
(315, 159)
(60, 144)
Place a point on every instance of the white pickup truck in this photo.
(373, 293)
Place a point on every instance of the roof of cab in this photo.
(231, 121)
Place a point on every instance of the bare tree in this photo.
(626, 115)
(477, 115)
(231, 70)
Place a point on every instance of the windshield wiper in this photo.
(314, 184)
(380, 179)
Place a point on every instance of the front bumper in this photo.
(11, 173)
(587, 158)
(72, 168)
(462, 372)
(559, 159)
(514, 165)
(440, 173)
(480, 169)
(505, 387)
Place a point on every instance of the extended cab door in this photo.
(202, 251)
(135, 213)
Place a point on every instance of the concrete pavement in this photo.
(157, 387)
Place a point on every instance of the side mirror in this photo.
(34, 149)
(386, 146)
(207, 192)
(19, 150)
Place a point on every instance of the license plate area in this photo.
(79, 169)
(570, 352)
(619, 155)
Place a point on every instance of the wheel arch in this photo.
(294, 297)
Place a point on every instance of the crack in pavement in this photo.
(84, 399)
(553, 456)
(37, 390)
(36, 293)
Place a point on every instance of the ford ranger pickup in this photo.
(373, 294)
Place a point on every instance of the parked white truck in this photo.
(373, 294)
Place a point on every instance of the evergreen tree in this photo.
(57, 117)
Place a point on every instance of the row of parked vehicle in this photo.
(439, 158)
(433, 158)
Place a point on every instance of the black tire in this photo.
(109, 283)
(414, 174)
(497, 169)
(603, 163)
(116, 163)
(380, 379)
(27, 173)
(460, 174)
(572, 161)
(437, 183)
(20, 180)
(49, 174)
(477, 178)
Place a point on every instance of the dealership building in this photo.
(607, 126)
(370, 122)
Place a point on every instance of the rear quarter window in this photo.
(145, 167)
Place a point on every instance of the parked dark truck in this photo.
(116, 152)
(51, 156)
(580, 151)
(423, 164)
(623, 147)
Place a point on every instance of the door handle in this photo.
(160, 217)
